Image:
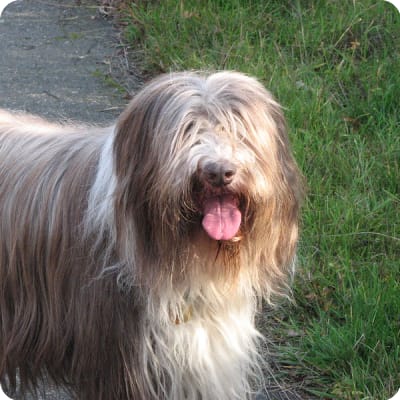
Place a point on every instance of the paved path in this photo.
(55, 60)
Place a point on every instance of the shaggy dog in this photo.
(133, 257)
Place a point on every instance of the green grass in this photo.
(335, 66)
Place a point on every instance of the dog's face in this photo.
(207, 158)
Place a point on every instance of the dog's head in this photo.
(206, 160)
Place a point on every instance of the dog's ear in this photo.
(135, 171)
(141, 150)
(291, 192)
(142, 144)
(133, 160)
(280, 221)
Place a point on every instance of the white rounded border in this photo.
(396, 3)
(3, 396)
(396, 396)
(3, 5)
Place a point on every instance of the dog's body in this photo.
(132, 257)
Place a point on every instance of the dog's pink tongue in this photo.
(222, 217)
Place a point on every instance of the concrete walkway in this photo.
(56, 58)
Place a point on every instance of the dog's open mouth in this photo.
(221, 216)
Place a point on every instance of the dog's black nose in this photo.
(219, 174)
